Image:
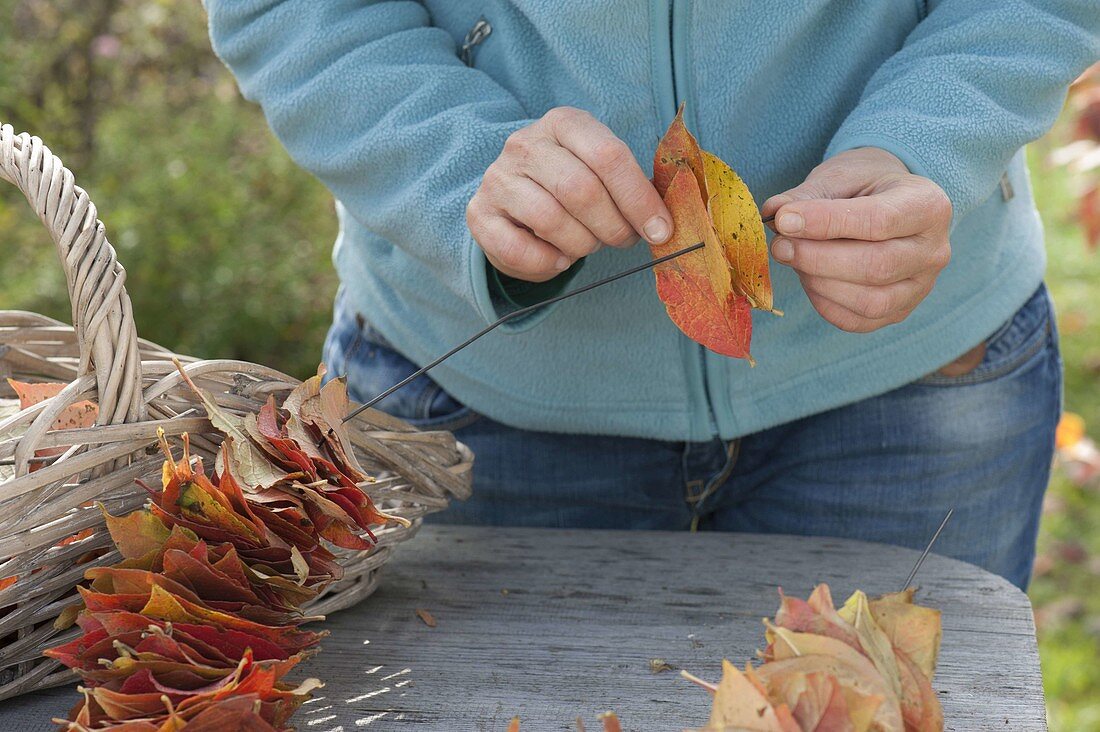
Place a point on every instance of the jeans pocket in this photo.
(372, 365)
(1011, 346)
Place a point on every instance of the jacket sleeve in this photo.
(374, 101)
(975, 81)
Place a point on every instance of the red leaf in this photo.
(696, 287)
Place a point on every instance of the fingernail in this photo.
(562, 264)
(783, 250)
(790, 223)
(656, 230)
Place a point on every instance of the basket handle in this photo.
(102, 315)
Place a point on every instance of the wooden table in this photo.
(552, 624)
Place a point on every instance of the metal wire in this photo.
(927, 549)
(517, 313)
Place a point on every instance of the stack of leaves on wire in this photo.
(710, 293)
(866, 666)
(199, 624)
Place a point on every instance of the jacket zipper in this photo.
(695, 355)
(478, 33)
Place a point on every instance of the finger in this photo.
(772, 205)
(842, 317)
(581, 193)
(906, 208)
(529, 204)
(873, 303)
(615, 165)
(825, 181)
(515, 251)
(862, 262)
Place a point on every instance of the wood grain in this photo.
(552, 624)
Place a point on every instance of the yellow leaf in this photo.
(1070, 430)
(913, 629)
(740, 230)
(137, 533)
(875, 643)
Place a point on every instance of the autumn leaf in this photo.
(75, 416)
(709, 294)
(695, 287)
(874, 642)
(913, 629)
(740, 231)
(865, 667)
(243, 458)
(740, 704)
(137, 533)
(610, 722)
(678, 150)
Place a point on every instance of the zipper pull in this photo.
(477, 34)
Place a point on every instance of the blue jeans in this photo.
(884, 469)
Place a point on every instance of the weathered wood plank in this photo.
(554, 624)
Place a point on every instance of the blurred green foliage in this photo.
(1066, 588)
(227, 246)
(225, 242)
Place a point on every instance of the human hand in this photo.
(866, 237)
(562, 186)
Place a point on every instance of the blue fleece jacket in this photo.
(373, 99)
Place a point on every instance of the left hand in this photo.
(866, 237)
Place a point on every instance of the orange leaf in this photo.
(678, 150)
(739, 703)
(709, 294)
(610, 722)
(75, 416)
(696, 287)
(426, 617)
(1070, 430)
(31, 394)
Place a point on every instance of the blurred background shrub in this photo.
(227, 245)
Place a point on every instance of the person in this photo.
(488, 155)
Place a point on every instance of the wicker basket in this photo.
(138, 390)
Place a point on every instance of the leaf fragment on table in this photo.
(426, 617)
(610, 722)
(659, 665)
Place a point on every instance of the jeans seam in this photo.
(733, 452)
(712, 485)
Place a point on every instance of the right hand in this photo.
(561, 188)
